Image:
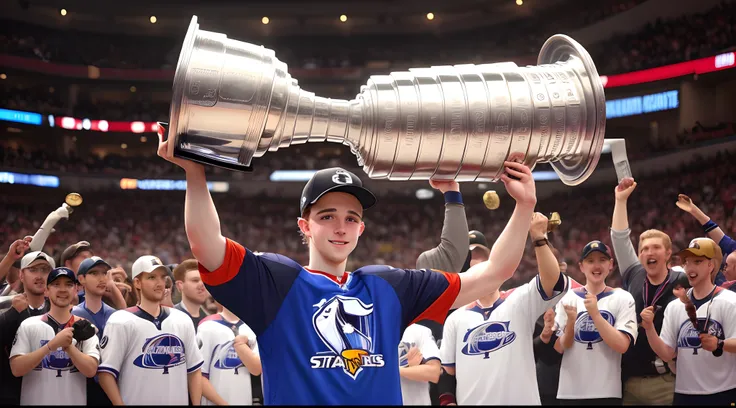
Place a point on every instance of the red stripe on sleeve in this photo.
(439, 308)
(234, 256)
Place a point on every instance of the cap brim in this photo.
(693, 252)
(99, 262)
(473, 246)
(62, 276)
(596, 250)
(364, 196)
(166, 268)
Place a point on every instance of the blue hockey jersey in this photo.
(324, 340)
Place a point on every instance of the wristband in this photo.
(541, 242)
(709, 226)
(447, 399)
(453, 197)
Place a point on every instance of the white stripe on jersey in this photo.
(698, 371)
(416, 335)
(150, 357)
(590, 368)
(222, 365)
(492, 349)
(55, 381)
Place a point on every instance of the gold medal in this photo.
(491, 200)
(73, 199)
(554, 222)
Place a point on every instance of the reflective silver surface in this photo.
(234, 101)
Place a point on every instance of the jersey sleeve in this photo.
(670, 327)
(626, 319)
(449, 339)
(22, 341)
(427, 345)
(114, 346)
(423, 293)
(561, 316)
(193, 354)
(252, 286)
(91, 347)
(539, 302)
(206, 345)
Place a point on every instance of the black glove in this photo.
(83, 329)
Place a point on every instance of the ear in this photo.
(179, 285)
(669, 254)
(362, 228)
(81, 279)
(304, 227)
(137, 283)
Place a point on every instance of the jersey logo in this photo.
(103, 342)
(585, 330)
(345, 326)
(689, 337)
(487, 338)
(57, 360)
(226, 358)
(161, 352)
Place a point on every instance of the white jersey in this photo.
(590, 368)
(55, 381)
(150, 357)
(698, 371)
(492, 348)
(222, 366)
(416, 335)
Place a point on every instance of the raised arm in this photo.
(711, 228)
(620, 233)
(40, 237)
(15, 253)
(487, 277)
(549, 268)
(200, 215)
(450, 254)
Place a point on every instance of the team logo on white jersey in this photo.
(345, 326)
(689, 336)
(57, 360)
(226, 358)
(161, 352)
(585, 330)
(487, 338)
(404, 348)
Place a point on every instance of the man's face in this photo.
(653, 254)
(730, 270)
(34, 277)
(698, 269)
(95, 280)
(192, 287)
(61, 292)
(73, 263)
(334, 226)
(152, 285)
(596, 267)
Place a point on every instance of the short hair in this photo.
(654, 233)
(305, 215)
(180, 272)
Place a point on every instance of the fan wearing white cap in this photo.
(143, 342)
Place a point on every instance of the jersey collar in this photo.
(340, 281)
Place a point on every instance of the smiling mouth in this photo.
(651, 261)
(335, 242)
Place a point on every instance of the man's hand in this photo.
(571, 311)
(20, 302)
(538, 227)
(241, 340)
(187, 165)
(624, 189)
(549, 325)
(19, 247)
(591, 304)
(445, 185)
(647, 318)
(708, 342)
(63, 339)
(685, 203)
(522, 190)
(413, 357)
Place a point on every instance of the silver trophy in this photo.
(233, 101)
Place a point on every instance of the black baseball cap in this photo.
(595, 246)
(90, 263)
(56, 273)
(477, 239)
(335, 179)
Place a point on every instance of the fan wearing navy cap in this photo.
(702, 338)
(325, 335)
(53, 353)
(150, 354)
(94, 279)
(597, 324)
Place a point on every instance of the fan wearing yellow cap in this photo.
(703, 339)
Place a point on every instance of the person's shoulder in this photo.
(33, 321)
(728, 295)
(622, 294)
(209, 321)
(121, 316)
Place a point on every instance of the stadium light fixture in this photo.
(144, 139)
(123, 146)
(265, 20)
(62, 12)
(430, 16)
(519, 2)
(343, 18)
(133, 89)
(3, 76)
(153, 19)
